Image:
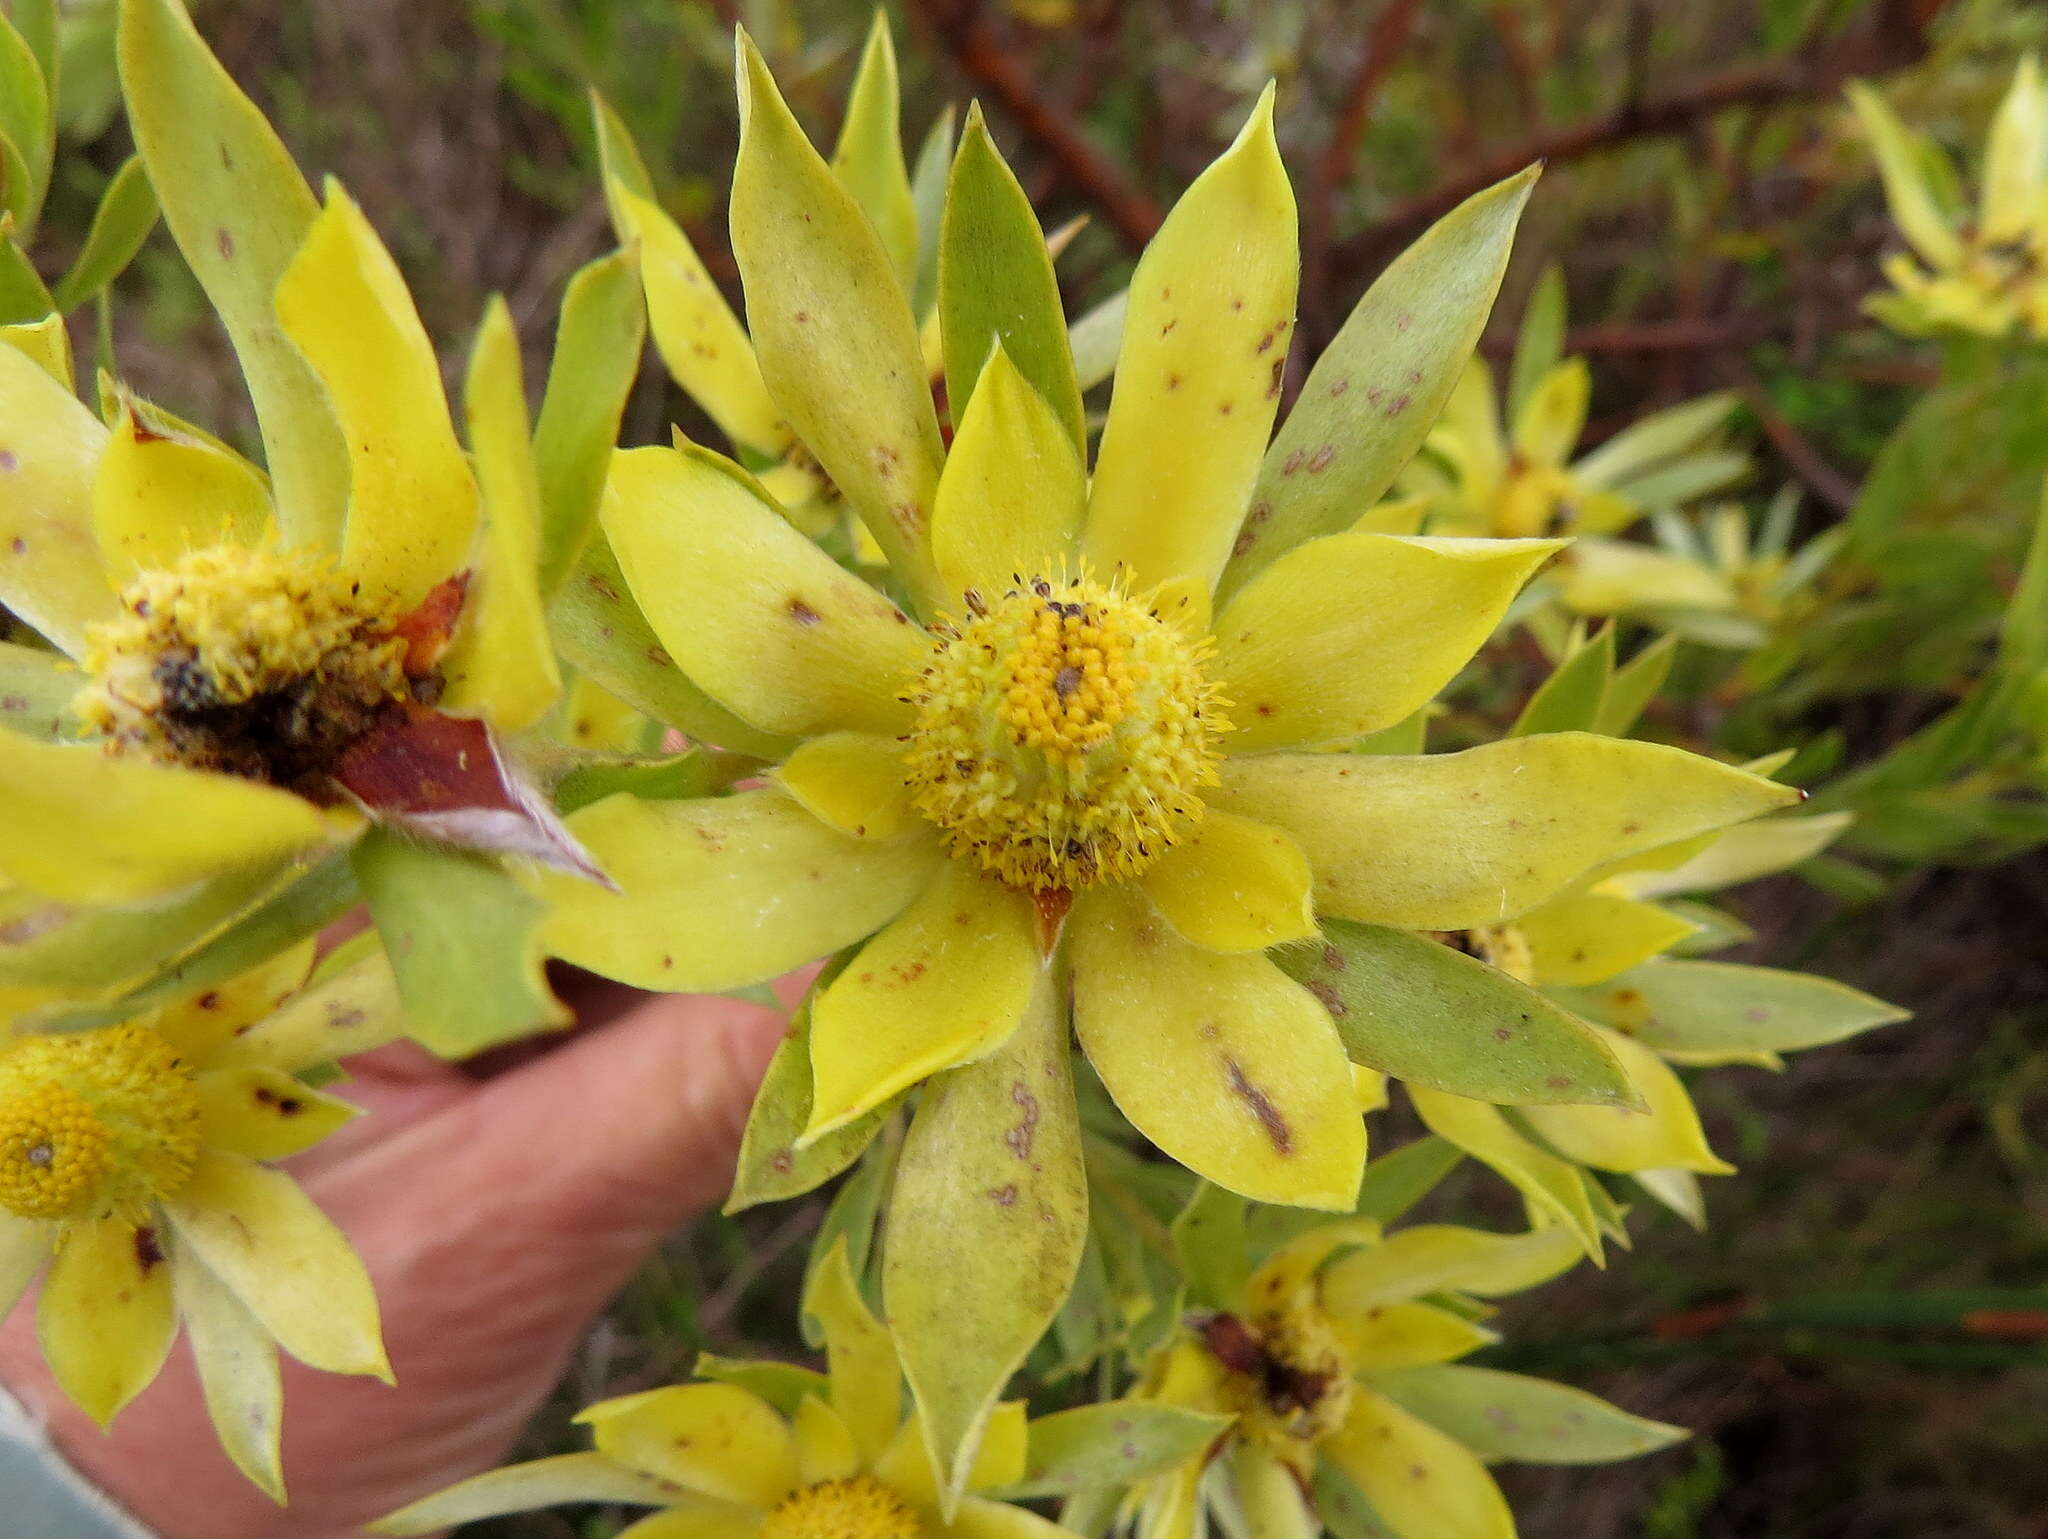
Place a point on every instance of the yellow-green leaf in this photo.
(1531, 1421)
(239, 210)
(158, 495)
(50, 569)
(1551, 1186)
(127, 212)
(1233, 885)
(601, 633)
(1429, 1014)
(987, 1219)
(105, 1318)
(87, 828)
(502, 666)
(1228, 1065)
(721, 893)
(1720, 1012)
(945, 983)
(1352, 633)
(464, 940)
(1375, 393)
(596, 361)
(1455, 841)
(1199, 374)
(750, 609)
(1011, 501)
(1663, 1133)
(869, 155)
(1423, 1484)
(832, 327)
(772, 1164)
(412, 506)
(1906, 186)
(1588, 936)
(996, 288)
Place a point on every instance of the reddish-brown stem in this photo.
(998, 70)
(1383, 44)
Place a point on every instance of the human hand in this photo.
(496, 1216)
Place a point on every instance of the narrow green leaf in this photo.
(23, 298)
(772, 1166)
(1209, 1239)
(239, 209)
(597, 357)
(2023, 641)
(1570, 699)
(928, 195)
(855, 1207)
(37, 22)
(126, 214)
(869, 155)
(463, 940)
(1375, 393)
(996, 284)
(1115, 1444)
(1722, 1011)
(618, 157)
(26, 124)
(1426, 1013)
(986, 1226)
(601, 632)
(1532, 1421)
(1395, 1182)
(121, 962)
(1634, 685)
(832, 327)
(672, 778)
(36, 691)
(1540, 343)
(782, 1385)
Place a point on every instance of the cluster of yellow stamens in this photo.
(259, 662)
(859, 1507)
(1294, 1386)
(1064, 734)
(94, 1123)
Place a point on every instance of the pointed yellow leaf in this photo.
(1226, 1063)
(502, 666)
(1550, 1185)
(719, 1439)
(1548, 426)
(758, 615)
(238, 1375)
(1422, 1484)
(1353, 632)
(722, 893)
(1664, 1134)
(1589, 936)
(412, 506)
(87, 828)
(945, 983)
(105, 1318)
(854, 782)
(157, 496)
(50, 569)
(284, 1259)
(1012, 497)
(1906, 188)
(832, 327)
(1198, 378)
(1233, 885)
(869, 155)
(1455, 841)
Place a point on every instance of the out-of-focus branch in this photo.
(1895, 37)
(996, 69)
(1383, 44)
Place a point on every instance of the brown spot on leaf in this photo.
(602, 587)
(149, 1255)
(1261, 1106)
(1327, 996)
(803, 614)
(1005, 1196)
(226, 244)
(1019, 1138)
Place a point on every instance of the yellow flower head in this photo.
(769, 1451)
(135, 1162)
(95, 1123)
(1063, 735)
(263, 663)
(1987, 274)
(1335, 1363)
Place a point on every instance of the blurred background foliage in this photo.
(1716, 215)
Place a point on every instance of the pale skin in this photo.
(497, 1217)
